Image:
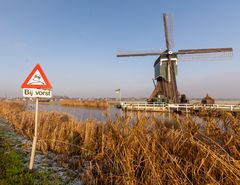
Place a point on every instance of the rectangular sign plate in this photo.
(37, 93)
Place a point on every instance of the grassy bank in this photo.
(85, 103)
(13, 168)
(147, 151)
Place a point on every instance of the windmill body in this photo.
(165, 70)
(165, 67)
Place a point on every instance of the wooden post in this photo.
(34, 137)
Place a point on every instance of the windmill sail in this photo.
(128, 53)
(211, 54)
(168, 29)
(209, 50)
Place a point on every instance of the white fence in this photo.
(176, 107)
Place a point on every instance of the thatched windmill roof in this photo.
(208, 100)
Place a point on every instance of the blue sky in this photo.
(76, 41)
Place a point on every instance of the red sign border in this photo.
(46, 86)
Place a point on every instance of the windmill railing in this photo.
(177, 107)
(144, 106)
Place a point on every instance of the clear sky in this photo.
(76, 41)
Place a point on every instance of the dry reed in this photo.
(146, 152)
(85, 103)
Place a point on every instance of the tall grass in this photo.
(85, 103)
(149, 151)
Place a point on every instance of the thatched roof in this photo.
(207, 97)
(208, 100)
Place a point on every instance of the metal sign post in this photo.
(34, 137)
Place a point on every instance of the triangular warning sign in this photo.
(37, 79)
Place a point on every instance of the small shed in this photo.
(208, 100)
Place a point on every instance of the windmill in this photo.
(165, 67)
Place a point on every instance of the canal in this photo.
(81, 113)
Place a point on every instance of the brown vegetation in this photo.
(148, 151)
(85, 103)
